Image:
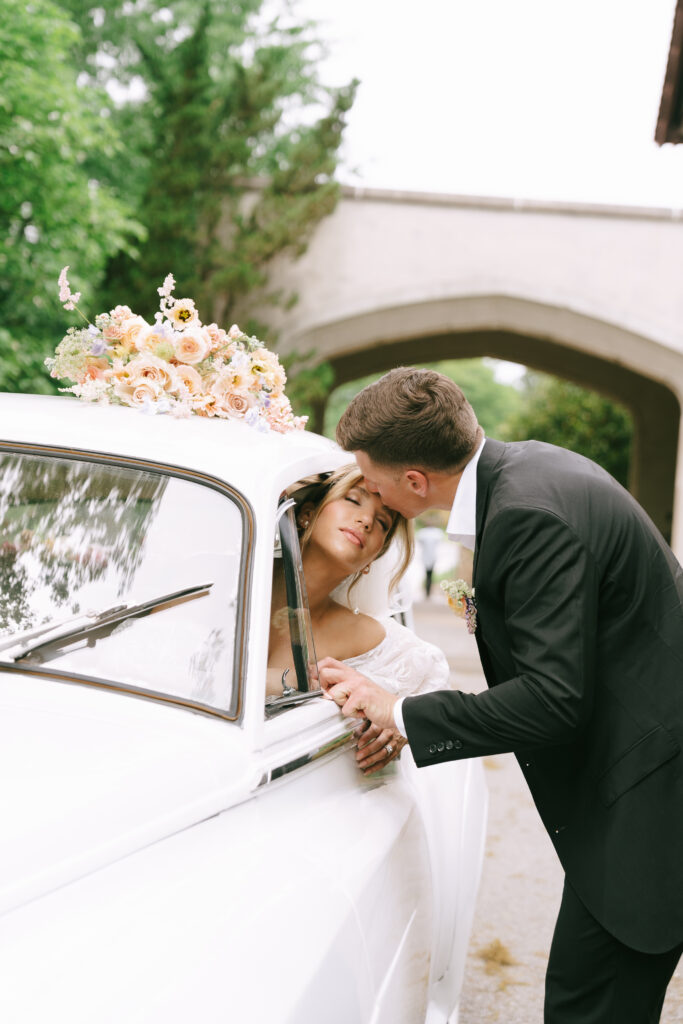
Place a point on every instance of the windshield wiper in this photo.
(96, 623)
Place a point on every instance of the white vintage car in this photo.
(173, 848)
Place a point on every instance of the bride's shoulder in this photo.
(361, 631)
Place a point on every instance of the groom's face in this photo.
(396, 487)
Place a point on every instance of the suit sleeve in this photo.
(545, 582)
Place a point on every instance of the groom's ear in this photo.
(417, 482)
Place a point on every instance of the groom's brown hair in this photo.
(411, 417)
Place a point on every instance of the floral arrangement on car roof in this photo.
(176, 365)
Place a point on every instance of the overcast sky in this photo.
(523, 98)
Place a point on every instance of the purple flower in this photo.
(98, 347)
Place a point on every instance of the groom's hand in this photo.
(355, 694)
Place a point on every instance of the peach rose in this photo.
(150, 368)
(144, 391)
(188, 376)
(236, 403)
(131, 330)
(149, 339)
(112, 332)
(136, 393)
(192, 346)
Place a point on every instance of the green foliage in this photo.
(567, 415)
(308, 385)
(493, 402)
(227, 97)
(52, 211)
(131, 132)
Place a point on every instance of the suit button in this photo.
(449, 744)
(441, 747)
(458, 744)
(432, 748)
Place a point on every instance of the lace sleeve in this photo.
(403, 663)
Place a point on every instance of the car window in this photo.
(80, 538)
(291, 649)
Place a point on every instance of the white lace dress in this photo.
(403, 663)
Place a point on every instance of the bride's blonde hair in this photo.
(319, 492)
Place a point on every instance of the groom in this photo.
(580, 633)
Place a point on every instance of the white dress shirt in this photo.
(462, 527)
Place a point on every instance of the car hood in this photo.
(90, 776)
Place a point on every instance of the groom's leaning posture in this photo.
(580, 633)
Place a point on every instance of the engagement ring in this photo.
(389, 749)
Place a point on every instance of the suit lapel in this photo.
(487, 470)
(491, 455)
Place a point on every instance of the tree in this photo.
(227, 97)
(53, 211)
(567, 415)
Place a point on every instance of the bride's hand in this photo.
(377, 747)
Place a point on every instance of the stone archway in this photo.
(655, 409)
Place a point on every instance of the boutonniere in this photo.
(461, 599)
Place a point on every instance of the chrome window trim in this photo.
(315, 753)
(236, 709)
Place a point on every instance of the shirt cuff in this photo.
(398, 717)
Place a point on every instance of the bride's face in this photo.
(352, 529)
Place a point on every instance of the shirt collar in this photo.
(462, 522)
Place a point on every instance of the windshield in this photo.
(79, 538)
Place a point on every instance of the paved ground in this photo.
(522, 879)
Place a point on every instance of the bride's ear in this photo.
(418, 482)
(304, 514)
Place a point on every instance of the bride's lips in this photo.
(354, 537)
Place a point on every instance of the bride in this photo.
(343, 530)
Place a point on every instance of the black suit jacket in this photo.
(580, 632)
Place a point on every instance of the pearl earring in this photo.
(366, 570)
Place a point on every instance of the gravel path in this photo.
(521, 881)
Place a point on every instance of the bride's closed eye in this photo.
(383, 520)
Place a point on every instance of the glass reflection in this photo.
(76, 536)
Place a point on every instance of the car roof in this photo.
(248, 459)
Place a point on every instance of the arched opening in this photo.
(654, 407)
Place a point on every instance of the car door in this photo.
(360, 917)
